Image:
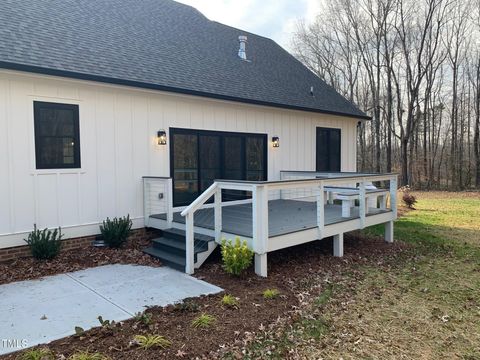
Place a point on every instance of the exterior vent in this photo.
(242, 54)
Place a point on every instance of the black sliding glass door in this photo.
(198, 157)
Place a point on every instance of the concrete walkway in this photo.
(39, 311)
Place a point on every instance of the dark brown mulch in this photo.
(290, 271)
(76, 259)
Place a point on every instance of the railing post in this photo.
(146, 202)
(218, 215)
(362, 204)
(321, 210)
(393, 195)
(260, 227)
(169, 202)
(189, 250)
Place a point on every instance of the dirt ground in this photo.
(291, 272)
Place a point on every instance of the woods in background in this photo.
(414, 67)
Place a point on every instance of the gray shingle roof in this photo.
(158, 44)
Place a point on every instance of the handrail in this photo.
(199, 201)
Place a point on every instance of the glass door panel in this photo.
(233, 165)
(185, 168)
(255, 158)
(210, 165)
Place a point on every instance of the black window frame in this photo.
(329, 147)
(222, 135)
(37, 106)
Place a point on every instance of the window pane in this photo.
(56, 122)
(57, 142)
(209, 160)
(255, 153)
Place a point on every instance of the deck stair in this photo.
(170, 248)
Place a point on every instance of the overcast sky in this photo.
(275, 19)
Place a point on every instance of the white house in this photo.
(116, 107)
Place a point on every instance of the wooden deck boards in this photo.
(284, 217)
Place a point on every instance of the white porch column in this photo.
(261, 264)
(338, 245)
(260, 228)
(389, 232)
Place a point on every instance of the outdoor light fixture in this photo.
(276, 141)
(162, 137)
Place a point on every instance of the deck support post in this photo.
(338, 245)
(389, 232)
(261, 265)
(260, 228)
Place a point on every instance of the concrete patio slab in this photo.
(39, 311)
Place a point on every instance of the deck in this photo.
(284, 217)
(298, 208)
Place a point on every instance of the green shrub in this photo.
(85, 355)
(151, 340)
(187, 306)
(44, 244)
(203, 321)
(236, 256)
(37, 354)
(115, 232)
(230, 301)
(270, 294)
(144, 318)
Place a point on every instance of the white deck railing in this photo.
(315, 184)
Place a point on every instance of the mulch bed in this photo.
(290, 271)
(76, 259)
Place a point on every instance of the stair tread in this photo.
(200, 245)
(166, 256)
(181, 232)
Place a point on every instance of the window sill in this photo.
(57, 171)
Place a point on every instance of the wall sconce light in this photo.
(276, 141)
(162, 137)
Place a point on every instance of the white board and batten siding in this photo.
(118, 127)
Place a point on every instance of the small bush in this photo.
(203, 321)
(37, 354)
(150, 341)
(230, 301)
(85, 355)
(270, 294)
(44, 244)
(115, 232)
(409, 199)
(106, 323)
(236, 256)
(187, 306)
(144, 318)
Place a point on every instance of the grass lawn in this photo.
(424, 304)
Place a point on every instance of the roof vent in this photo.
(242, 54)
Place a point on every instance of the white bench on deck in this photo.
(348, 195)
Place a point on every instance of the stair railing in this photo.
(189, 213)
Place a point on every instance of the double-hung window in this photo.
(57, 135)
